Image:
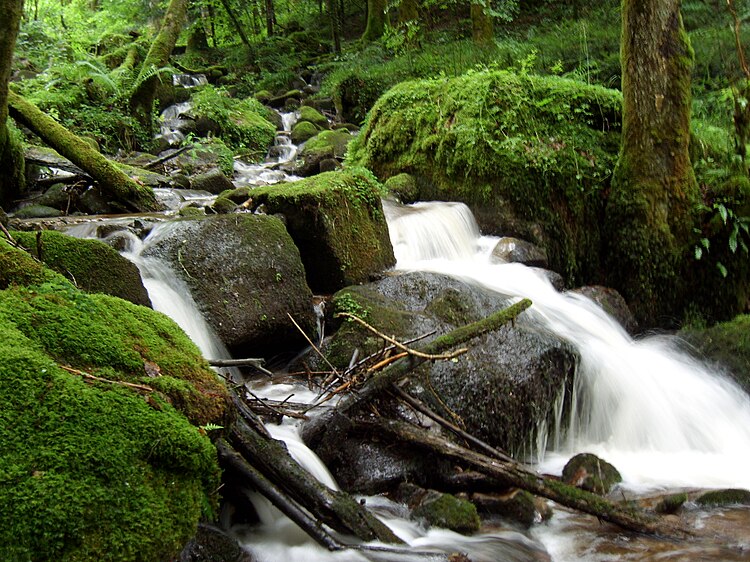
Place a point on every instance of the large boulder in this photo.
(531, 155)
(93, 469)
(336, 220)
(501, 389)
(245, 273)
(92, 265)
(589, 472)
(323, 146)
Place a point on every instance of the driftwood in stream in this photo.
(516, 474)
(269, 457)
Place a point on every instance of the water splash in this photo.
(661, 417)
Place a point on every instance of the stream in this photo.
(666, 421)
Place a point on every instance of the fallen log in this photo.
(110, 178)
(337, 509)
(516, 474)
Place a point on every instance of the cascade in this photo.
(661, 417)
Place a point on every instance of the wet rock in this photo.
(518, 506)
(245, 273)
(729, 496)
(212, 544)
(57, 196)
(263, 96)
(591, 473)
(670, 504)
(440, 510)
(37, 212)
(612, 303)
(326, 144)
(403, 186)
(223, 206)
(317, 209)
(213, 181)
(555, 279)
(94, 202)
(280, 101)
(513, 250)
(205, 155)
(329, 165)
(181, 181)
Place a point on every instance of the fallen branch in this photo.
(168, 157)
(93, 378)
(516, 474)
(249, 362)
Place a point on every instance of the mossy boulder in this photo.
(245, 273)
(92, 265)
(206, 155)
(336, 220)
(214, 181)
(440, 510)
(36, 211)
(531, 155)
(404, 186)
(501, 389)
(90, 469)
(591, 473)
(241, 124)
(730, 496)
(312, 115)
(355, 93)
(726, 343)
(518, 506)
(324, 145)
(303, 131)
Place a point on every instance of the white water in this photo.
(663, 419)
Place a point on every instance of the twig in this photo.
(312, 344)
(249, 362)
(91, 377)
(167, 157)
(401, 346)
(275, 409)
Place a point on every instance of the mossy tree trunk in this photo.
(482, 30)
(335, 16)
(110, 178)
(654, 192)
(236, 23)
(144, 94)
(376, 20)
(11, 164)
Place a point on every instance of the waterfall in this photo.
(661, 417)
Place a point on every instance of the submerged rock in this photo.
(245, 273)
(591, 473)
(336, 220)
(612, 303)
(439, 509)
(513, 250)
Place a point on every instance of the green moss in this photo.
(449, 512)
(113, 338)
(336, 221)
(403, 186)
(92, 265)
(243, 123)
(670, 504)
(531, 155)
(18, 268)
(333, 142)
(312, 115)
(730, 496)
(303, 131)
(92, 472)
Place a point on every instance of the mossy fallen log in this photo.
(110, 178)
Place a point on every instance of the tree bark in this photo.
(335, 18)
(654, 192)
(270, 17)
(482, 29)
(408, 10)
(376, 20)
(11, 158)
(236, 23)
(142, 98)
(110, 178)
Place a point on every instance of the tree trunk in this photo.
(236, 23)
(482, 30)
(408, 10)
(376, 20)
(11, 157)
(270, 17)
(335, 17)
(144, 94)
(110, 178)
(654, 192)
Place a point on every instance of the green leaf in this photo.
(723, 212)
(722, 269)
(698, 252)
(706, 243)
(733, 240)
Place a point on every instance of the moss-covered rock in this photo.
(403, 186)
(312, 115)
(36, 211)
(92, 265)
(591, 473)
(730, 496)
(245, 273)
(727, 343)
(89, 469)
(324, 145)
(441, 510)
(303, 131)
(205, 155)
(336, 220)
(214, 181)
(530, 155)
(242, 124)
(17, 267)
(518, 506)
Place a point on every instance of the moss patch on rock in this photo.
(91, 470)
(531, 155)
(449, 512)
(731, 496)
(336, 220)
(91, 265)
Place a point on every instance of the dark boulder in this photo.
(591, 473)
